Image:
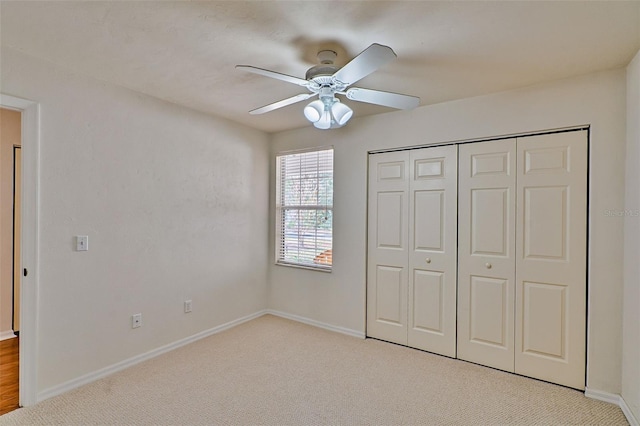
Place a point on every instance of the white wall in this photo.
(175, 206)
(631, 309)
(597, 100)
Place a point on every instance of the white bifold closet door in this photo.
(551, 267)
(388, 251)
(411, 283)
(522, 255)
(514, 212)
(432, 249)
(486, 253)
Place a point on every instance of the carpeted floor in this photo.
(279, 372)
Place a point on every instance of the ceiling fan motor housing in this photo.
(322, 70)
(321, 75)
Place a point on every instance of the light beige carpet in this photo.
(279, 372)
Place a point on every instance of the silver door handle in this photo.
(488, 265)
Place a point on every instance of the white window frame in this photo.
(281, 208)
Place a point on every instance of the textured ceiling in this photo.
(185, 52)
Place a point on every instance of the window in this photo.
(304, 209)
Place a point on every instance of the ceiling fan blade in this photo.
(282, 103)
(389, 99)
(273, 74)
(369, 60)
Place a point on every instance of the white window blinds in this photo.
(304, 203)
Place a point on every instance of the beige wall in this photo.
(10, 127)
(631, 309)
(175, 206)
(597, 100)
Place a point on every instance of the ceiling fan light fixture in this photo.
(341, 113)
(314, 111)
(327, 80)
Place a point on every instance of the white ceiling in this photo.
(185, 52)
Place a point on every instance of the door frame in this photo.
(30, 117)
(16, 148)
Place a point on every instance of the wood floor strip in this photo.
(9, 375)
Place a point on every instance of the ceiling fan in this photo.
(327, 80)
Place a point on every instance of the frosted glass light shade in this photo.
(314, 110)
(341, 113)
(324, 122)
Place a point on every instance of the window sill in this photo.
(326, 269)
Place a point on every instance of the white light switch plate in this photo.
(82, 242)
(136, 320)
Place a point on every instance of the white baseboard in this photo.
(309, 321)
(602, 396)
(633, 420)
(6, 335)
(103, 372)
(613, 399)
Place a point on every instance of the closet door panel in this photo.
(427, 304)
(432, 249)
(387, 266)
(488, 306)
(486, 253)
(551, 258)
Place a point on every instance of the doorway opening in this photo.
(10, 239)
(22, 269)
